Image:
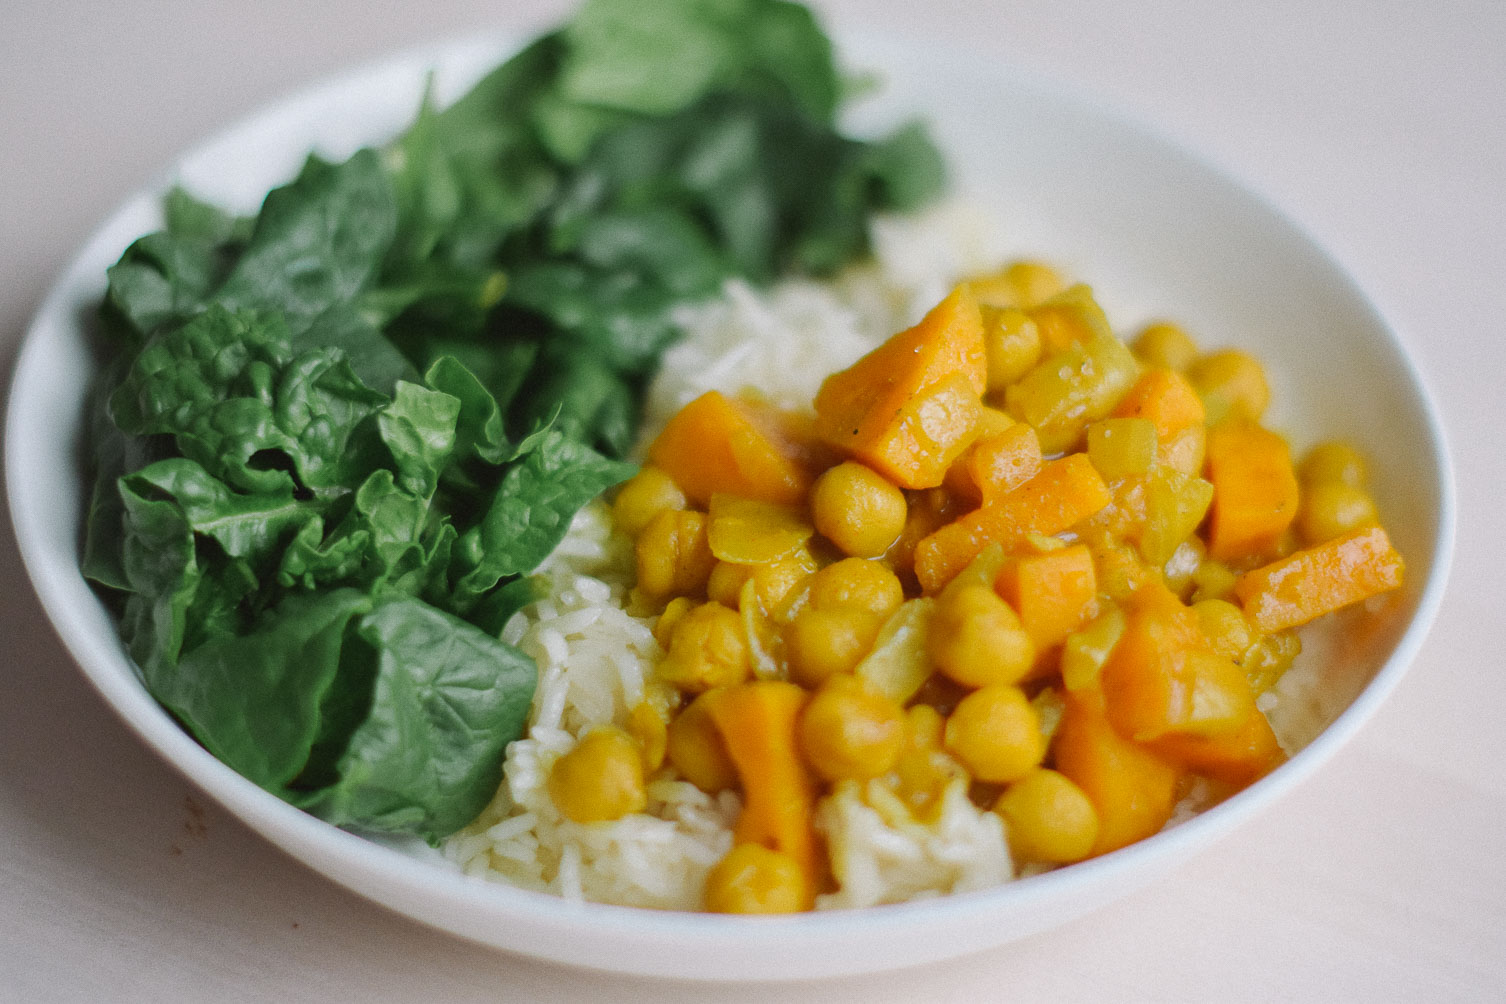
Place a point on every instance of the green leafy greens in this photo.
(332, 440)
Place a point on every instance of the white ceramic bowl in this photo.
(1152, 227)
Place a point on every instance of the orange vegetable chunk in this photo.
(716, 444)
(1070, 316)
(1166, 399)
(997, 464)
(1133, 790)
(1241, 757)
(1255, 490)
(1162, 678)
(1053, 593)
(758, 721)
(1064, 491)
(1320, 579)
(908, 408)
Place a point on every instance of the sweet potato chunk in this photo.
(1053, 593)
(1239, 758)
(1065, 491)
(1162, 678)
(757, 721)
(1166, 399)
(909, 407)
(717, 444)
(1320, 579)
(997, 464)
(1255, 490)
(1133, 790)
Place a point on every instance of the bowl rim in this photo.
(357, 862)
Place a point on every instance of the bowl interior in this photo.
(1154, 229)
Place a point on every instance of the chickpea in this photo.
(644, 496)
(976, 638)
(1165, 345)
(1013, 344)
(708, 649)
(1332, 508)
(857, 509)
(674, 555)
(777, 579)
(646, 726)
(1048, 818)
(1225, 627)
(1231, 383)
(847, 732)
(600, 779)
(924, 770)
(753, 878)
(1021, 284)
(1334, 461)
(664, 627)
(995, 733)
(857, 582)
(1034, 282)
(694, 746)
(820, 643)
(725, 584)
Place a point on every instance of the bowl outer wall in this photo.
(1151, 225)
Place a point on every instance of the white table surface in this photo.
(1376, 123)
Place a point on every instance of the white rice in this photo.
(596, 659)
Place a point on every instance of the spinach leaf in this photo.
(318, 241)
(419, 430)
(337, 436)
(229, 390)
(656, 57)
(478, 421)
(161, 570)
(245, 526)
(162, 277)
(531, 512)
(373, 357)
(313, 559)
(445, 699)
(653, 57)
(254, 700)
(191, 218)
